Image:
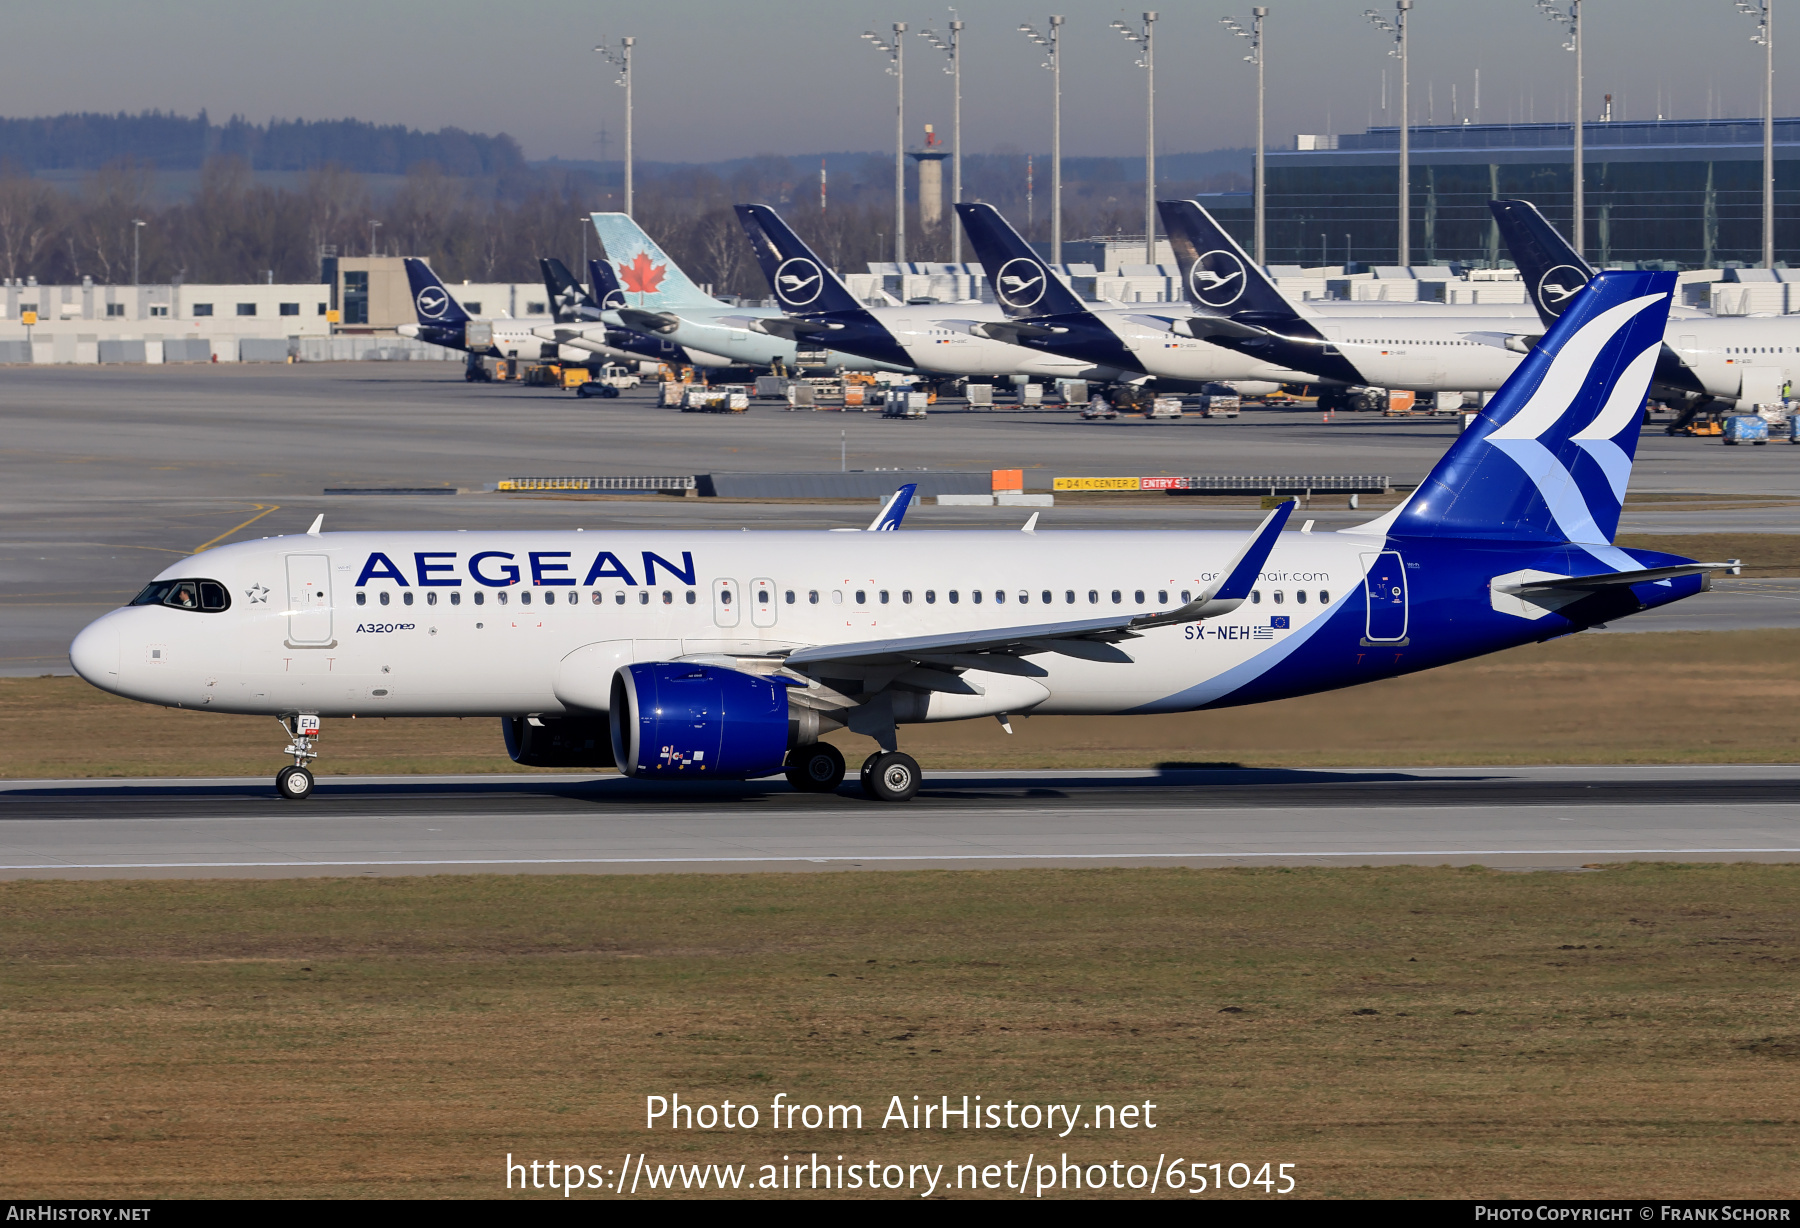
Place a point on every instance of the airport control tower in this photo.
(930, 158)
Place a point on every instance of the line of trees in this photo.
(238, 227)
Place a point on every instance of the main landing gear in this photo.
(890, 776)
(296, 783)
(887, 776)
(818, 768)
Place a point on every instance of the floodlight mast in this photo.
(1255, 35)
(1053, 46)
(1572, 19)
(621, 59)
(953, 49)
(1147, 40)
(896, 51)
(1398, 30)
(1764, 12)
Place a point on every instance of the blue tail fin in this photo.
(1220, 278)
(1549, 458)
(569, 303)
(1023, 284)
(434, 304)
(607, 291)
(1552, 271)
(650, 279)
(799, 278)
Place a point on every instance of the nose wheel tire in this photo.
(818, 768)
(891, 777)
(294, 783)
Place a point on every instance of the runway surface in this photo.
(1506, 817)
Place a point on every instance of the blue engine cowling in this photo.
(671, 720)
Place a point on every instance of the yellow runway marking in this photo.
(234, 528)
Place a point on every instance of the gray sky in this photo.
(722, 78)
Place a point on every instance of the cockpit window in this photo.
(207, 596)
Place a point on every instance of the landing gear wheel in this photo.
(294, 783)
(891, 777)
(818, 768)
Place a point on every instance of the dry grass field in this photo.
(1713, 697)
(1623, 1032)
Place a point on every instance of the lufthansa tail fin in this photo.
(1552, 271)
(1024, 285)
(431, 300)
(605, 285)
(800, 280)
(650, 279)
(1218, 276)
(1548, 459)
(569, 302)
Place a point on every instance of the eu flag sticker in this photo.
(1279, 622)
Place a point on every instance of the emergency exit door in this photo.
(309, 599)
(725, 603)
(762, 602)
(1384, 584)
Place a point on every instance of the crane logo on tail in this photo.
(433, 303)
(1020, 283)
(1557, 286)
(798, 281)
(1217, 278)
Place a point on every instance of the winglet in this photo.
(1229, 592)
(317, 524)
(1031, 525)
(894, 510)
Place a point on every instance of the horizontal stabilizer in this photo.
(649, 321)
(1203, 327)
(790, 329)
(1011, 333)
(1612, 579)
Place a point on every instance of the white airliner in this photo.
(706, 655)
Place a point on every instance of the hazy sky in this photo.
(717, 79)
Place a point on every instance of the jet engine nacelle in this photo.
(672, 720)
(564, 742)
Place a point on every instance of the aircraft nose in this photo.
(95, 653)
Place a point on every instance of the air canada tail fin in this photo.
(431, 300)
(799, 278)
(1552, 271)
(569, 302)
(1549, 458)
(1024, 285)
(1218, 276)
(650, 279)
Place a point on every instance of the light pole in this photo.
(1053, 46)
(897, 69)
(1147, 41)
(1398, 30)
(1255, 35)
(373, 227)
(137, 230)
(1764, 12)
(1572, 19)
(621, 59)
(953, 49)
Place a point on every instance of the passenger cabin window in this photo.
(788, 596)
(205, 596)
(1324, 597)
(955, 596)
(386, 597)
(524, 598)
(906, 596)
(480, 597)
(456, 598)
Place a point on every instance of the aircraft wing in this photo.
(1091, 639)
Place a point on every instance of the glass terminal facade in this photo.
(1673, 193)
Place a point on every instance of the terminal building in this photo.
(1663, 193)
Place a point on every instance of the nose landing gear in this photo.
(296, 783)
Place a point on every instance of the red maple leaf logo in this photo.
(640, 276)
